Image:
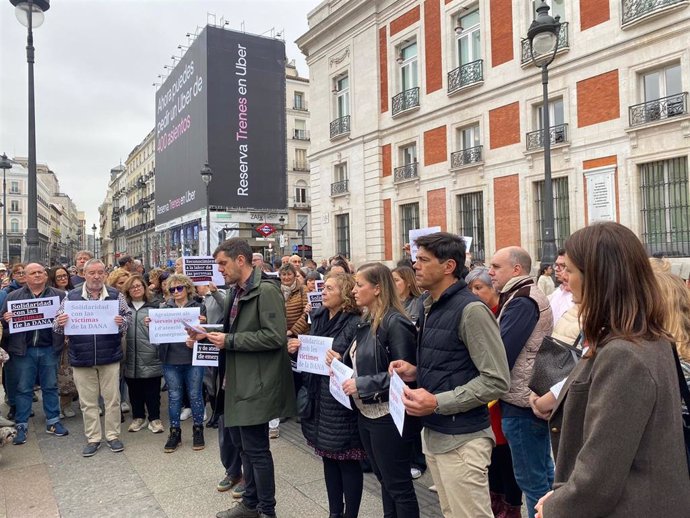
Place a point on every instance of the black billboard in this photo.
(224, 102)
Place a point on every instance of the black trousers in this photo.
(344, 478)
(389, 455)
(229, 453)
(145, 396)
(501, 476)
(257, 466)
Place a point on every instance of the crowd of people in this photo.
(606, 439)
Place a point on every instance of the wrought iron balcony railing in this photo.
(300, 134)
(466, 75)
(338, 188)
(658, 109)
(472, 155)
(340, 126)
(405, 100)
(635, 9)
(300, 106)
(557, 135)
(562, 44)
(300, 165)
(405, 172)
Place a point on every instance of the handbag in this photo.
(554, 361)
(685, 395)
(65, 376)
(305, 404)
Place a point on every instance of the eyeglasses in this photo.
(62, 276)
(559, 266)
(177, 289)
(19, 274)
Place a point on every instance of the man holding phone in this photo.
(254, 333)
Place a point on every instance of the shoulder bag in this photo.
(553, 363)
(685, 395)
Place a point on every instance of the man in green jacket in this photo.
(258, 378)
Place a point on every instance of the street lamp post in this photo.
(30, 15)
(145, 211)
(543, 45)
(207, 176)
(5, 164)
(94, 239)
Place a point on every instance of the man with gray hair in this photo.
(95, 360)
(525, 318)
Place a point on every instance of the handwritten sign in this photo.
(339, 374)
(417, 233)
(395, 401)
(167, 326)
(32, 314)
(312, 354)
(202, 270)
(91, 317)
(315, 299)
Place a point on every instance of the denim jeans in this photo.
(178, 377)
(41, 361)
(530, 447)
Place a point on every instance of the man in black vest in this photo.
(95, 361)
(461, 366)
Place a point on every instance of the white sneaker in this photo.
(273, 433)
(156, 426)
(124, 406)
(67, 411)
(185, 414)
(416, 473)
(136, 425)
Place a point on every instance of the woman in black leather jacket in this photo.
(384, 334)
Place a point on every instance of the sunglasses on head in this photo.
(178, 289)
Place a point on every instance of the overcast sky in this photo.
(96, 61)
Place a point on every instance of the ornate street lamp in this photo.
(30, 15)
(207, 176)
(543, 45)
(5, 164)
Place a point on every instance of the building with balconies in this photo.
(429, 113)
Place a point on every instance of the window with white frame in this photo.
(468, 36)
(298, 100)
(468, 137)
(409, 220)
(301, 160)
(342, 234)
(14, 187)
(557, 8)
(300, 129)
(14, 225)
(14, 206)
(408, 154)
(662, 82)
(468, 147)
(340, 172)
(301, 192)
(342, 95)
(408, 60)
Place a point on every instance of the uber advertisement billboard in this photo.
(224, 102)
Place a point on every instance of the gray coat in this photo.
(141, 358)
(616, 433)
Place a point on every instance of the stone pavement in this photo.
(47, 477)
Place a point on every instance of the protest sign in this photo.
(166, 324)
(202, 270)
(32, 314)
(205, 354)
(468, 243)
(312, 354)
(315, 299)
(339, 374)
(319, 284)
(419, 232)
(395, 401)
(91, 317)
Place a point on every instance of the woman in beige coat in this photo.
(616, 428)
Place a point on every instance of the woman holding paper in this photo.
(329, 427)
(178, 370)
(383, 335)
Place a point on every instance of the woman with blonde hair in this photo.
(385, 334)
(117, 279)
(616, 428)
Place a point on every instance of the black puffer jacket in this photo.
(396, 339)
(332, 427)
(178, 353)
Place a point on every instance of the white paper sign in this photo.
(91, 317)
(395, 401)
(339, 374)
(315, 299)
(312, 354)
(416, 233)
(468, 243)
(167, 324)
(319, 284)
(202, 270)
(205, 355)
(32, 314)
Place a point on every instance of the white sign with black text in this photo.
(312, 354)
(339, 374)
(32, 314)
(395, 401)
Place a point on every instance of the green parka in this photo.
(259, 384)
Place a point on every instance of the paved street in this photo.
(48, 477)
